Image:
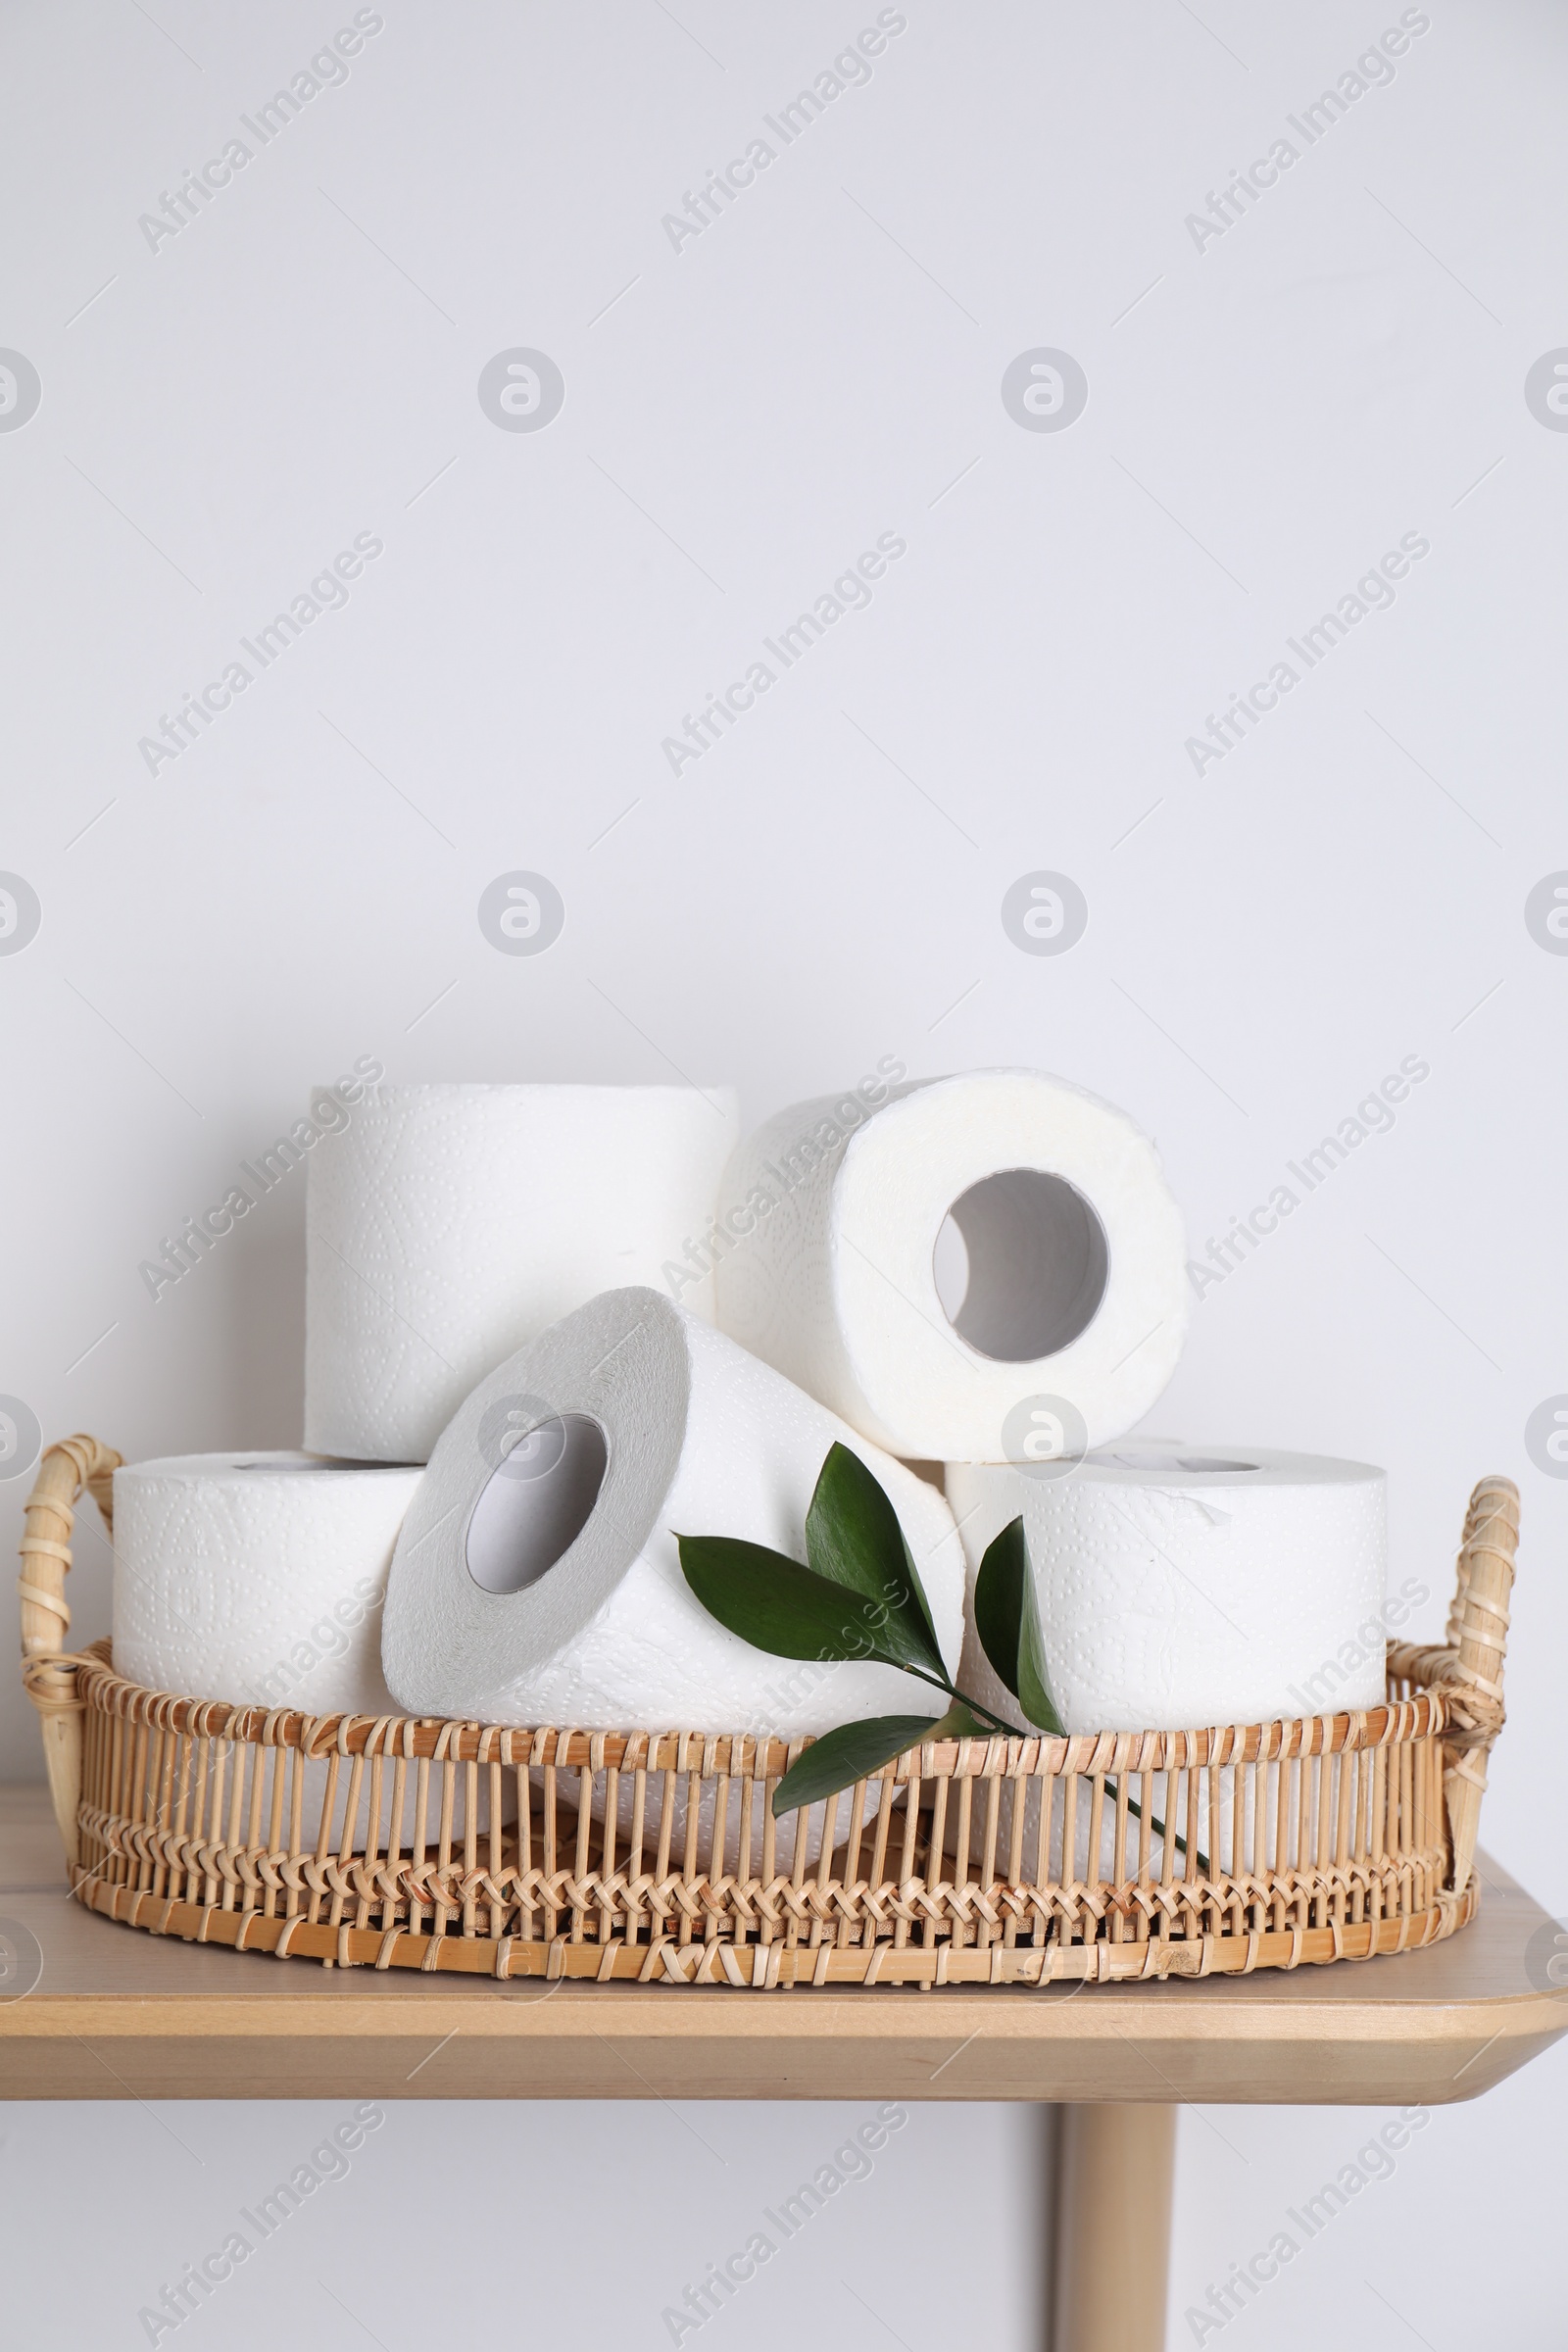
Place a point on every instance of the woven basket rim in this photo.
(745, 1754)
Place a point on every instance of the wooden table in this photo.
(119, 2014)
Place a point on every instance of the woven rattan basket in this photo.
(652, 1855)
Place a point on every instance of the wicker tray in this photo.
(566, 1853)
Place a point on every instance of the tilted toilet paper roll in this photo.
(974, 1261)
(448, 1225)
(537, 1580)
(257, 1578)
(1181, 1586)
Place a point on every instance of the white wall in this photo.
(1266, 416)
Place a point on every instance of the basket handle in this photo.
(1478, 1637)
(49, 1670)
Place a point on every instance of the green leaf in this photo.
(856, 1751)
(999, 1601)
(854, 1539)
(778, 1606)
(1006, 1616)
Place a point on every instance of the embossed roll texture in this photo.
(448, 1225)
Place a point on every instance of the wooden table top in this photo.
(117, 2013)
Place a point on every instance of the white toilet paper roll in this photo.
(1182, 1585)
(978, 1269)
(257, 1578)
(537, 1581)
(448, 1225)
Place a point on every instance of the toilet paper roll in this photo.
(448, 1225)
(976, 1269)
(1182, 1585)
(257, 1578)
(537, 1581)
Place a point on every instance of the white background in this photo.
(1266, 416)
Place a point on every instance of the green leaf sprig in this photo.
(859, 1596)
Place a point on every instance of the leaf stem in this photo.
(1136, 1812)
(1016, 1731)
(1012, 1730)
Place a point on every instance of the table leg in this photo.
(1116, 2170)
